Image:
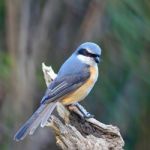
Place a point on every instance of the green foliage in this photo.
(5, 65)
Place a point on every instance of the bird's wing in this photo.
(64, 85)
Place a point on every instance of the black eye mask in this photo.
(84, 52)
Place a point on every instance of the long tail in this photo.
(40, 116)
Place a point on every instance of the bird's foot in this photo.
(80, 110)
(84, 111)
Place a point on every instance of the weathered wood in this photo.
(73, 132)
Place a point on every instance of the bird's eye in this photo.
(83, 52)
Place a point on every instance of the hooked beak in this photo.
(97, 59)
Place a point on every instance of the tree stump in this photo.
(73, 132)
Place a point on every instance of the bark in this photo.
(74, 132)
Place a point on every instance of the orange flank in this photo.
(84, 90)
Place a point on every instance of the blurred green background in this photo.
(36, 31)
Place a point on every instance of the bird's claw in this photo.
(80, 110)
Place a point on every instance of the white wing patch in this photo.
(58, 87)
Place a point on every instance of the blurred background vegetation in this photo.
(36, 31)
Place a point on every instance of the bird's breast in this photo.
(83, 90)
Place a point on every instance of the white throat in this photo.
(87, 60)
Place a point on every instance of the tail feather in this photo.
(38, 121)
(21, 134)
(31, 125)
(47, 113)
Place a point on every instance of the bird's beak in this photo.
(97, 59)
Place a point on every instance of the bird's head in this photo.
(89, 53)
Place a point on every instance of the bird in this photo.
(73, 83)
